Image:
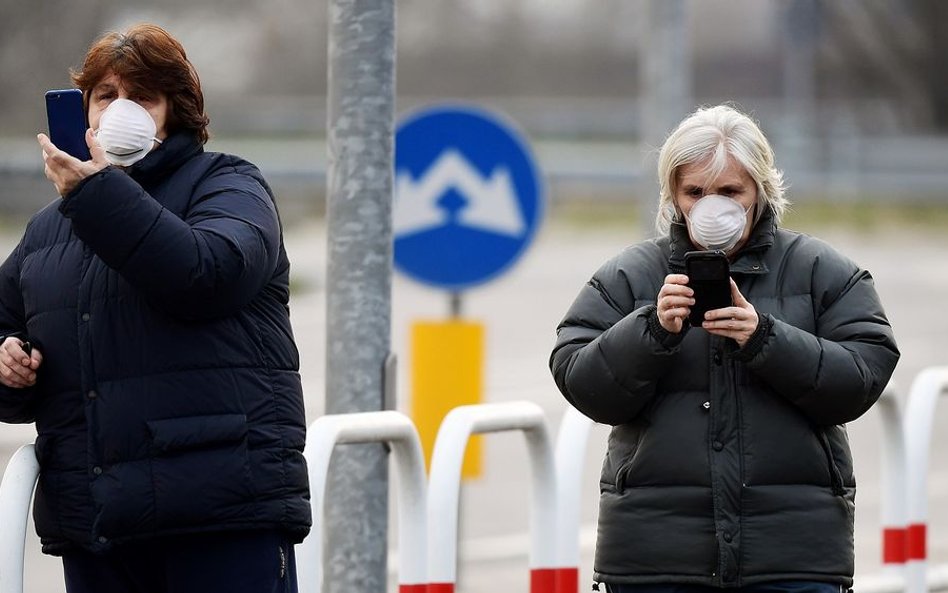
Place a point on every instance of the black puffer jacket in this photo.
(726, 466)
(169, 399)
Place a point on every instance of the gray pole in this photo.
(665, 93)
(800, 22)
(359, 288)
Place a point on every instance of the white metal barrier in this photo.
(16, 492)
(445, 481)
(893, 513)
(927, 388)
(571, 445)
(906, 442)
(389, 427)
(894, 470)
(428, 518)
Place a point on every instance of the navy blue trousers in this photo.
(229, 562)
(773, 587)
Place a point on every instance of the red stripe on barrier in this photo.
(422, 588)
(915, 542)
(440, 588)
(543, 580)
(893, 545)
(567, 580)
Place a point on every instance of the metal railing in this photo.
(445, 479)
(16, 492)
(369, 427)
(428, 509)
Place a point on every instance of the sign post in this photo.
(468, 202)
(360, 125)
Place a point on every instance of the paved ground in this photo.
(521, 311)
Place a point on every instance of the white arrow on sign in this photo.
(491, 203)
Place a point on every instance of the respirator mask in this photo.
(717, 222)
(126, 132)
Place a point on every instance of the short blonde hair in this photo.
(713, 135)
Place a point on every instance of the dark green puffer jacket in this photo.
(727, 466)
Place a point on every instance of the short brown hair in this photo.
(147, 57)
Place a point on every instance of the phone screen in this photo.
(709, 276)
(66, 118)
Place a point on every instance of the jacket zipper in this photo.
(605, 296)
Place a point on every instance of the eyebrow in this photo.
(734, 187)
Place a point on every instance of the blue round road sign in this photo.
(468, 196)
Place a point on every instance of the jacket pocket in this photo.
(836, 477)
(622, 475)
(201, 472)
(625, 470)
(173, 435)
(623, 448)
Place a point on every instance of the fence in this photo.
(445, 480)
(16, 491)
(571, 443)
(399, 432)
(428, 516)
(927, 388)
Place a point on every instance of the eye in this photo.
(105, 95)
(695, 192)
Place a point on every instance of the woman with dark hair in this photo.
(145, 330)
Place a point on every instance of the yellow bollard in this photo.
(446, 372)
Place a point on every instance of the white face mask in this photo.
(717, 222)
(126, 132)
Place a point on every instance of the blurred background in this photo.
(852, 93)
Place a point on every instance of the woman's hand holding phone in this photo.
(18, 364)
(65, 170)
(675, 300)
(738, 322)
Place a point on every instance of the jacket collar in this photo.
(749, 260)
(164, 160)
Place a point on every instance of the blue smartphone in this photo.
(66, 118)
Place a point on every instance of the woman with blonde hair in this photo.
(728, 463)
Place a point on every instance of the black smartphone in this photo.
(66, 119)
(709, 275)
